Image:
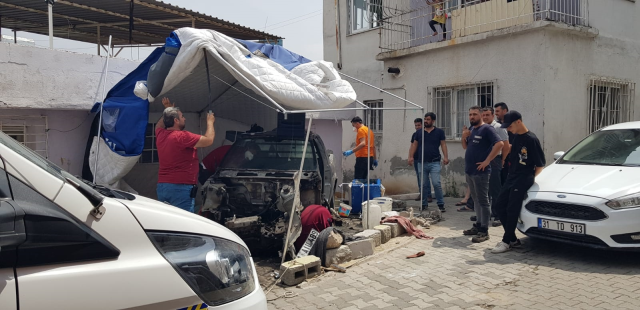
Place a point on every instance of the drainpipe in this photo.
(338, 34)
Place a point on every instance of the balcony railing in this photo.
(409, 23)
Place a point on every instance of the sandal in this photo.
(464, 209)
(421, 253)
(461, 203)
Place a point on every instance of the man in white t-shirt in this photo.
(495, 183)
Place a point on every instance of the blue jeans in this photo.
(177, 195)
(431, 170)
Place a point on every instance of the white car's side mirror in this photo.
(557, 155)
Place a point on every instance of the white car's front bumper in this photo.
(608, 228)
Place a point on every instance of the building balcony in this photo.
(411, 26)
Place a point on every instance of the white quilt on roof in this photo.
(315, 85)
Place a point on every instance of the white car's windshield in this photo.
(607, 147)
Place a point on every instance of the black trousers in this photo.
(361, 168)
(432, 24)
(509, 203)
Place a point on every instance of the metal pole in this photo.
(104, 89)
(381, 90)
(206, 63)
(99, 43)
(368, 146)
(298, 176)
(50, 5)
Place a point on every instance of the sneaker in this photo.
(442, 209)
(501, 247)
(480, 237)
(496, 223)
(471, 232)
(515, 244)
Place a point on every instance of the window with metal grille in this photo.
(373, 118)
(364, 14)
(451, 105)
(150, 151)
(30, 131)
(610, 102)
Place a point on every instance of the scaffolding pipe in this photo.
(50, 5)
(298, 176)
(104, 89)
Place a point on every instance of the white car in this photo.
(591, 194)
(67, 244)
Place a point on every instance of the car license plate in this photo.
(562, 226)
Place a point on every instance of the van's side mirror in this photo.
(557, 155)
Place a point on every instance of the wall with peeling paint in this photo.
(35, 77)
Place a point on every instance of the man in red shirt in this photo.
(178, 173)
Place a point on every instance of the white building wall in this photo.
(542, 73)
(34, 77)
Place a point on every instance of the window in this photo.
(373, 118)
(610, 102)
(150, 151)
(451, 105)
(30, 131)
(364, 14)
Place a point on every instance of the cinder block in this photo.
(385, 233)
(361, 248)
(396, 229)
(300, 269)
(373, 234)
(337, 256)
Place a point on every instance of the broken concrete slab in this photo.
(396, 229)
(337, 256)
(373, 234)
(296, 271)
(361, 248)
(385, 233)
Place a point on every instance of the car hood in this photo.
(155, 215)
(606, 182)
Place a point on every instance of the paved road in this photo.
(457, 274)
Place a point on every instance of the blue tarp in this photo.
(125, 116)
(277, 53)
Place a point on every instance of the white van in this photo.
(67, 244)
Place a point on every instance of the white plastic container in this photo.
(385, 203)
(371, 218)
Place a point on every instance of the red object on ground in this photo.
(313, 216)
(214, 159)
(177, 156)
(406, 223)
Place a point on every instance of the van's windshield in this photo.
(260, 153)
(607, 147)
(40, 161)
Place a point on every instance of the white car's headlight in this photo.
(218, 270)
(625, 202)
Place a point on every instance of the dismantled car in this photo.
(252, 192)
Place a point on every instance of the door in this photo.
(8, 242)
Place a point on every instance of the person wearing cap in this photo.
(482, 144)
(365, 149)
(526, 162)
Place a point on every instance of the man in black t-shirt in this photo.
(434, 140)
(526, 161)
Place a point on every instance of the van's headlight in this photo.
(625, 202)
(218, 270)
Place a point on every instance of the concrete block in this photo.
(296, 271)
(361, 248)
(372, 234)
(385, 233)
(396, 229)
(405, 214)
(337, 256)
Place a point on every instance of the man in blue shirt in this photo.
(434, 139)
(482, 144)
